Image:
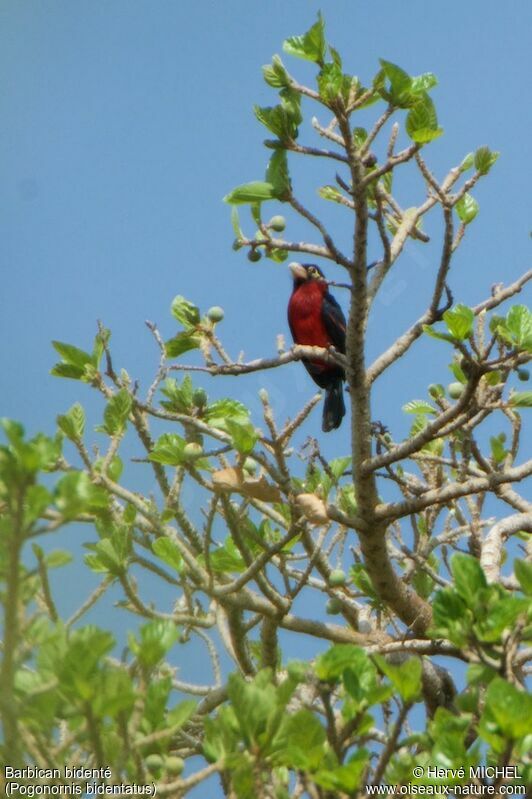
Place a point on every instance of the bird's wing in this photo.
(334, 321)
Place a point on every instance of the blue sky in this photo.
(125, 123)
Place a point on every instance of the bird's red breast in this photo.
(305, 315)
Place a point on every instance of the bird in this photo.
(316, 319)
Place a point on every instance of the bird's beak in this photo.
(298, 271)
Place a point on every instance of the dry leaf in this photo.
(234, 479)
(313, 508)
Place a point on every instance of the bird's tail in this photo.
(334, 407)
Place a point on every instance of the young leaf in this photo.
(467, 208)
(277, 174)
(521, 399)
(255, 192)
(459, 321)
(169, 552)
(418, 406)
(72, 423)
(400, 91)
(116, 413)
(523, 572)
(185, 312)
(275, 73)
(468, 575)
(311, 45)
(182, 342)
(422, 121)
(243, 435)
(484, 159)
(72, 355)
(169, 450)
(519, 326)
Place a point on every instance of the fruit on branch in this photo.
(215, 314)
(455, 390)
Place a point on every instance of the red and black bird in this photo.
(316, 319)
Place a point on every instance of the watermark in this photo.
(76, 781)
(465, 782)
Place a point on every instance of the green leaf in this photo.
(227, 559)
(469, 577)
(75, 494)
(218, 413)
(180, 396)
(521, 399)
(459, 321)
(254, 192)
(181, 713)
(72, 423)
(423, 83)
(108, 557)
(181, 343)
(498, 450)
(57, 558)
(508, 708)
(330, 82)
(429, 330)
(330, 666)
(359, 137)
(467, 208)
(169, 450)
(279, 120)
(331, 193)
(168, 551)
(523, 572)
(235, 222)
(279, 256)
(467, 163)
(185, 312)
(484, 159)
(418, 407)
(405, 677)
(275, 73)
(67, 370)
(422, 121)
(311, 45)
(400, 89)
(346, 778)
(242, 434)
(277, 174)
(72, 355)
(116, 413)
(519, 326)
(156, 638)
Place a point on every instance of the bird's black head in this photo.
(304, 273)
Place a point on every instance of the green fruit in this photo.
(333, 606)
(455, 390)
(154, 762)
(250, 466)
(174, 765)
(523, 375)
(337, 577)
(277, 223)
(215, 314)
(192, 451)
(237, 244)
(254, 256)
(199, 398)
(436, 390)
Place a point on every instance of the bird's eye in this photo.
(313, 272)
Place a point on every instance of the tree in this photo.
(403, 541)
